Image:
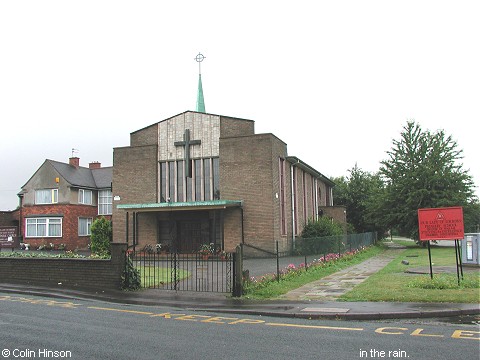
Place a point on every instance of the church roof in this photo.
(304, 166)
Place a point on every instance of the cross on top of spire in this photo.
(199, 58)
(200, 100)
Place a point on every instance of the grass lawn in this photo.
(393, 284)
(273, 289)
(154, 276)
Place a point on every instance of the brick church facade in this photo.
(199, 178)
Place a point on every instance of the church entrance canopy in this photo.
(178, 226)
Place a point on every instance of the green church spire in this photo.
(200, 100)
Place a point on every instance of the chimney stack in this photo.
(94, 165)
(75, 161)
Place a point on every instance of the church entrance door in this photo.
(191, 235)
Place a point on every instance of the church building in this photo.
(198, 178)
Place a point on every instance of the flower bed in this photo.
(292, 271)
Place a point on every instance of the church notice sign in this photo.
(440, 223)
(8, 235)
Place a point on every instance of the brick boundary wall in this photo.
(94, 274)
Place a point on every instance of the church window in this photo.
(190, 186)
(179, 180)
(304, 199)
(207, 179)
(216, 178)
(198, 180)
(171, 181)
(163, 182)
(283, 210)
(295, 200)
(202, 186)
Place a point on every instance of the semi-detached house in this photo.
(61, 200)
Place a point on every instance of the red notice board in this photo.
(440, 223)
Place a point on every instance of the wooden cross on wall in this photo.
(186, 143)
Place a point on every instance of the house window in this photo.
(84, 225)
(46, 196)
(104, 202)
(43, 227)
(85, 197)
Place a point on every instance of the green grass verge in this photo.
(393, 284)
(293, 280)
(154, 276)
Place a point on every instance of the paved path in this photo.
(331, 287)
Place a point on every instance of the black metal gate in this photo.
(184, 272)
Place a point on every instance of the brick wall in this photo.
(249, 172)
(134, 182)
(145, 136)
(66, 273)
(9, 218)
(232, 229)
(230, 127)
(70, 215)
(338, 213)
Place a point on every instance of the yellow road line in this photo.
(314, 326)
(121, 310)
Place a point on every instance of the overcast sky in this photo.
(336, 80)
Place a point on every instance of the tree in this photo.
(423, 170)
(101, 237)
(358, 193)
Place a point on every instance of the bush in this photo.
(322, 227)
(322, 236)
(101, 237)
(131, 276)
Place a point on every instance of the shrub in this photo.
(322, 236)
(101, 237)
(131, 276)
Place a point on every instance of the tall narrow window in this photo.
(171, 181)
(327, 196)
(216, 179)
(198, 180)
(304, 191)
(163, 182)
(295, 199)
(180, 181)
(283, 210)
(207, 179)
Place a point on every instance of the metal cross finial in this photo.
(199, 58)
